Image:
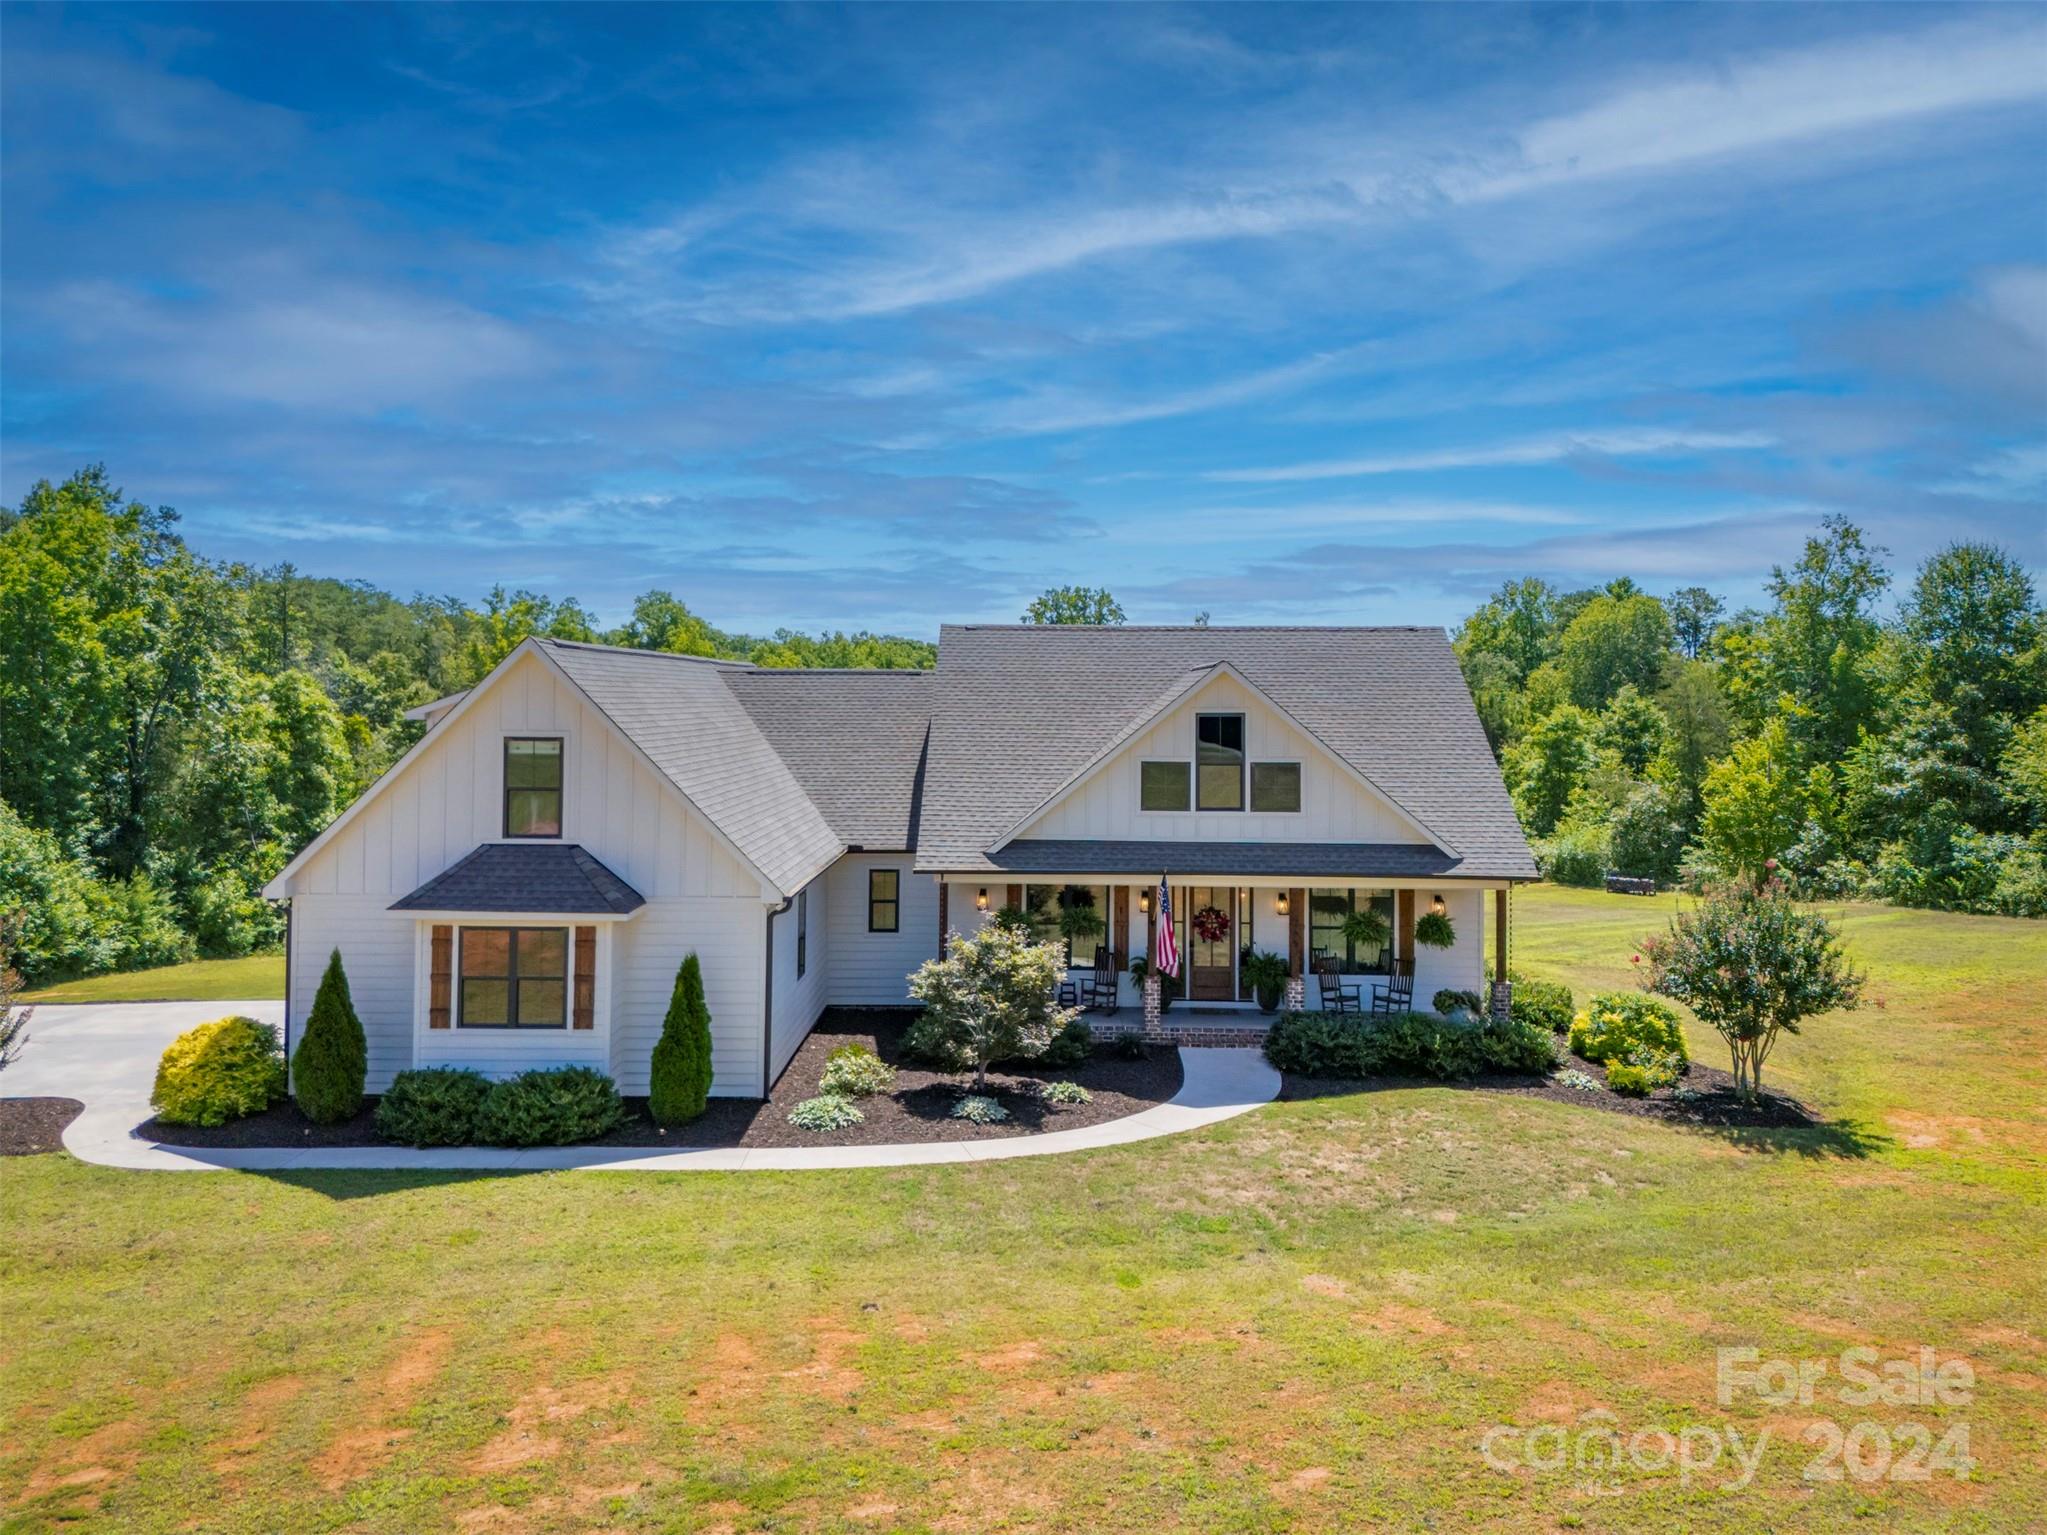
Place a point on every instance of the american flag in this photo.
(1169, 947)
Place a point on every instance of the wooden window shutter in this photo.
(586, 978)
(442, 975)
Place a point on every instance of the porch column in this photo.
(1500, 934)
(1119, 938)
(1296, 933)
(1404, 907)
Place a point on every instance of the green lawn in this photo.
(256, 977)
(1305, 1319)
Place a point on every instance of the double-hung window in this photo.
(884, 900)
(1219, 762)
(533, 786)
(514, 978)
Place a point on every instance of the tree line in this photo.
(174, 728)
(1898, 757)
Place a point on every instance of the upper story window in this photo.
(884, 900)
(1162, 785)
(533, 786)
(1275, 786)
(1219, 762)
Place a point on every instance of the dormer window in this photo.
(1219, 762)
(533, 786)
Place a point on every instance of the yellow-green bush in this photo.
(219, 1071)
(1616, 1026)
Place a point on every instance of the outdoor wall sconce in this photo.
(1436, 905)
(1144, 902)
(981, 900)
(1280, 904)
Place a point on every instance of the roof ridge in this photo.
(555, 643)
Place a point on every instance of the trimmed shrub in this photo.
(333, 1058)
(854, 1071)
(1406, 1044)
(1448, 1002)
(557, 1107)
(827, 1111)
(1065, 1092)
(1618, 1025)
(435, 1106)
(679, 1081)
(1631, 1081)
(980, 1109)
(226, 1069)
(1070, 1046)
(1546, 1004)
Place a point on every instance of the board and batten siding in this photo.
(377, 953)
(872, 969)
(798, 1000)
(449, 798)
(726, 936)
(1335, 807)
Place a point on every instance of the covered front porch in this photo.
(1223, 925)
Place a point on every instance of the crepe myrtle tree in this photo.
(1753, 966)
(993, 997)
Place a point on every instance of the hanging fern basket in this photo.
(1433, 930)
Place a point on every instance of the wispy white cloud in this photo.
(2015, 474)
(1068, 412)
(1549, 448)
(1765, 101)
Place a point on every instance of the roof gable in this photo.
(853, 739)
(1022, 710)
(1186, 691)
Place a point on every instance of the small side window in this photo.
(1162, 785)
(884, 900)
(1276, 786)
(802, 932)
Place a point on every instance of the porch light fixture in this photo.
(1436, 905)
(1144, 902)
(981, 900)
(1280, 904)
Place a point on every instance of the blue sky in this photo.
(885, 316)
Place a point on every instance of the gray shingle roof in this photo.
(680, 711)
(854, 740)
(1334, 860)
(526, 876)
(1019, 709)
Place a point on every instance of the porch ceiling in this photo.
(1148, 859)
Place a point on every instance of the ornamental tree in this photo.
(991, 998)
(1752, 965)
(332, 1060)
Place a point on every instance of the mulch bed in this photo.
(1716, 1106)
(919, 1109)
(31, 1126)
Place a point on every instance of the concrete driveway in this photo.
(104, 1054)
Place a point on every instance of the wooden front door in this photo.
(1211, 963)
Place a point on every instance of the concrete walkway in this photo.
(105, 1056)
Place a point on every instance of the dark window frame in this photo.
(1278, 762)
(1186, 785)
(561, 755)
(512, 977)
(1243, 758)
(802, 932)
(893, 902)
(1347, 962)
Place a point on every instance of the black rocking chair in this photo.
(1338, 994)
(1098, 988)
(1397, 995)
